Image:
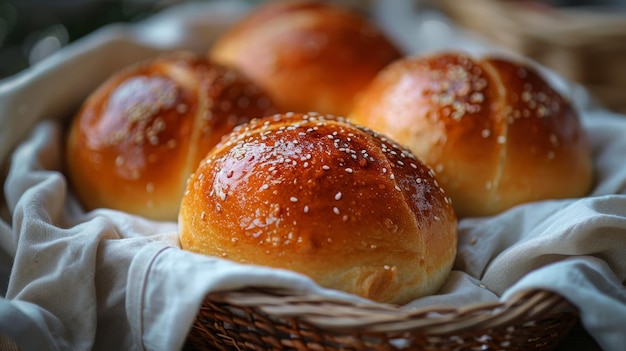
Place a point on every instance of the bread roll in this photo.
(136, 139)
(316, 195)
(309, 56)
(496, 133)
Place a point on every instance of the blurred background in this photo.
(31, 30)
(583, 40)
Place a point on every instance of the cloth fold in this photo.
(589, 284)
(167, 287)
(104, 279)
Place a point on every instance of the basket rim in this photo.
(565, 27)
(335, 315)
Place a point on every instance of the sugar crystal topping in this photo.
(281, 145)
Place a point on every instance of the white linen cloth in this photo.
(107, 280)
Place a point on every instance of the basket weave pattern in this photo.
(257, 319)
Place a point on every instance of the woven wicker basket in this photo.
(257, 319)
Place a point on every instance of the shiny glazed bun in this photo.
(139, 136)
(309, 56)
(494, 131)
(317, 195)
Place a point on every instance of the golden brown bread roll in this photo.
(319, 196)
(136, 139)
(308, 56)
(496, 133)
